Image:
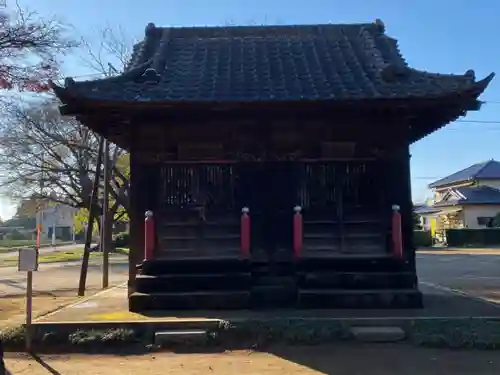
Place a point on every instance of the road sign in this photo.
(28, 260)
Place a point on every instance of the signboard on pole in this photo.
(28, 260)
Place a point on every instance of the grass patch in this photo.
(252, 334)
(81, 340)
(57, 257)
(29, 243)
(457, 333)
(9, 244)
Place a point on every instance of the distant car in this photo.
(95, 248)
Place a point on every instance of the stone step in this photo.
(358, 280)
(193, 282)
(357, 299)
(346, 262)
(207, 300)
(196, 265)
(168, 252)
(378, 334)
(266, 280)
(273, 296)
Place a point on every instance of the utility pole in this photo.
(90, 225)
(39, 210)
(105, 219)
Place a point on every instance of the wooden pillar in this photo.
(407, 209)
(136, 227)
(399, 188)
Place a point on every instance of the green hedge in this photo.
(422, 238)
(473, 237)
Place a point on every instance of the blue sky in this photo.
(437, 35)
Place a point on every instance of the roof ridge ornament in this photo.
(69, 81)
(150, 75)
(471, 74)
(380, 25)
(150, 28)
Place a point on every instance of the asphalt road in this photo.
(59, 279)
(470, 272)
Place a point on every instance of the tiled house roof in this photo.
(471, 195)
(487, 170)
(271, 63)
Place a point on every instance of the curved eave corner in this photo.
(480, 86)
(73, 91)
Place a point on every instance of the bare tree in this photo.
(43, 148)
(111, 54)
(40, 147)
(30, 48)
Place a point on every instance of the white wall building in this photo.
(58, 219)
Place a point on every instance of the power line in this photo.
(479, 121)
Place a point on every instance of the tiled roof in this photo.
(473, 195)
(271, 63)
(426, 210)
(481, 171)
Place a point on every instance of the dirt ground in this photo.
(12, 309)
(339, 360)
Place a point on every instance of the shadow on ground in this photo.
(388, 359)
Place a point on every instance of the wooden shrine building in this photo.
(274, 161)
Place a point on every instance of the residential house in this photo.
(59, 218)
(469, 198)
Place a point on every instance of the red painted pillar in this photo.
(397, 233)
(297, 231)
(245, 232)
(38, 235)
(149, 236)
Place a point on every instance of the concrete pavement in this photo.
(474, 273)
(57, 279)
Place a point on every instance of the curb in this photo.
(85, 337)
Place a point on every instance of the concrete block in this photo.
(180, 337)
(378, 334)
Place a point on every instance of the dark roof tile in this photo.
(272, 63)
(481, 171)
(473, 195)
